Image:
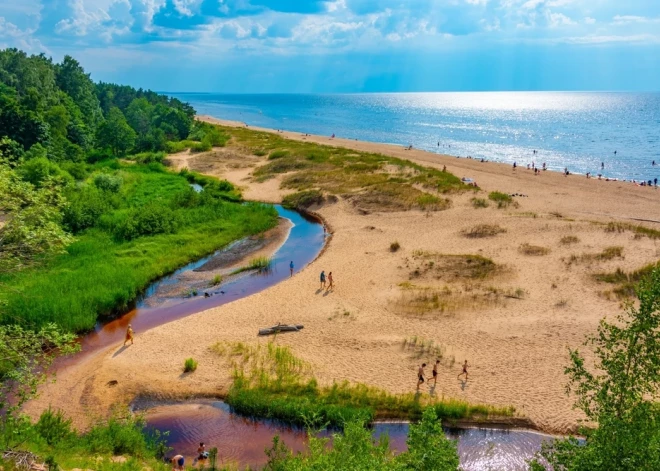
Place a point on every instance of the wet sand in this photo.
(517, 347)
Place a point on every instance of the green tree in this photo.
(618, 393)
(72, 79)
(25, 357)
(115, 133)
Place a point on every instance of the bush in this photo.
(106, 182)
(151, 219)
(303, 199)
(502, 199)
(394, 246)
(85, 208)
(37, 170)
(119, 437)
(567, 240)
(189, 365)
(479, 203)
(53, 427)
(278, 154)
(534, 250)
(483, 230)
(148, 157)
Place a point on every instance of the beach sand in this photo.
(518, 348)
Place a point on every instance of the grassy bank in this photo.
(133, 224)
(370, 181)
(270, 382)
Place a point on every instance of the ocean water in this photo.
(574, 130)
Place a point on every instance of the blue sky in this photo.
(348, 45)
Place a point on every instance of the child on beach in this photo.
(420, 375)
(322, 279)
(129, 335)
(435, 372)
(330, 285)
(465, 371)
(291, 267)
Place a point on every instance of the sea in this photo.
(613, 134)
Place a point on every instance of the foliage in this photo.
(115, 133)
(395, 246)
(189, 365)
(303, 199)
(479, 203)
(619, 393)
(53, 427)
(25, 356)
(502, 199)
(106, 182)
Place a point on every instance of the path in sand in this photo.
(517, 347)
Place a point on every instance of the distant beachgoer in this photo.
(291, 267)
(602, 165)
(420, 375)
(435, 372)
(655, 181)
(588, 174)
(565, 171)
(515, 165)
(544, 167)
(439, 146)
(178, 461)
(614, 152)
(322, 279)
(129, 335)
(536, 171)
(333, 135)
(330, 285)
(465, 371)
(444, 168)
(653, 163)
(202, 454)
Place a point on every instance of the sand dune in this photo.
(517, 347)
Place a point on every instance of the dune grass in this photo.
(639, 231)
(481, 231)
(450, 267)
(100, 274)
(271, 382)
(501, 199)
(608, 253)
(533, 250)
(625, 283)
(568, 240)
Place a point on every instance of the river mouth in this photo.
(241, 441)
(305, 241)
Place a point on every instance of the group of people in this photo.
(326, 281)
(421, 375)
(179, 461)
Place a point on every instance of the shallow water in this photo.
(242, 441)
(304, 243)
(574, 130)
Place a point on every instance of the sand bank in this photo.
(517, 345)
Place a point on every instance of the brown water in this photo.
(304, 243)
(242, 441)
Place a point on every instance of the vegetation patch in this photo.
(479, 203)
(420, 301)
(270, 382)
(483, 230)
(639, 231)
(395, 246)
(398, 197)
(625, 283)
(533, 250)
(609, 253)
(501, 199)
(189, 365)
(303, 199)
(568, 240)
(452, 267)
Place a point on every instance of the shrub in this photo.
(479, 203)
(217, 279)
(118, 437)
(567, 240)
(151, 219)
(37, 170)
(53, 427)
(278, 154)
(189, 365)
(303, 199)
(535, 250)
(394, 246)
(483, 230)
(148, 157)
(85, 208)
(259, 152)
(502, 199)
(106, 182)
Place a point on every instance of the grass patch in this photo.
(568, 240)
(216, 281)
(270, 382)
(607, 254)
(303, 199)
(483, 230)
(625, 282)
(398, 197)
(420, 347)
(533, 250)
(260, 264)
(395, 246)
(420, 301)
(189, 365)
(639, 231)
(479, 203)
(452, 267)
(113, 260)
(501, 199)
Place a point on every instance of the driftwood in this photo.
(280, 328)
(23, 460)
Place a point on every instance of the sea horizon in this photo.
(615, 134)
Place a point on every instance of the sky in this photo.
(318, 46)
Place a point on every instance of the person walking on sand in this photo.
(291, 267)
(420, 375)
(178, 461)
(435, 372)
(465, 371)
(330, 285)
(129, 335)
(322, 279)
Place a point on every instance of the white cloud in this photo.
(630, 19)
(590, 21)
(556, 20)
(604, 39)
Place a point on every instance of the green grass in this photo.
(639, 231)
(479, 203)
(481, 231)
(302, 199)
(270, 382)
(189, 365)
(501, 199)
(99, 275)
(626, 282)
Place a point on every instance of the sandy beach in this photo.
(516, 345)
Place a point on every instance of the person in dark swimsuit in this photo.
(435, 372)
(420, 375)
(178, 461)
(322, 279)
(291, 267)
(465, 371)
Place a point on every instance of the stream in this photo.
(241, 441)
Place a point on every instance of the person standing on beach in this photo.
(129, 335)
(178, 461)
(602, 165)
(420, 375)
(291, 267)
(515, 165)
(465, 371)
(435, 372)
(330, 285)
(322, 279)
